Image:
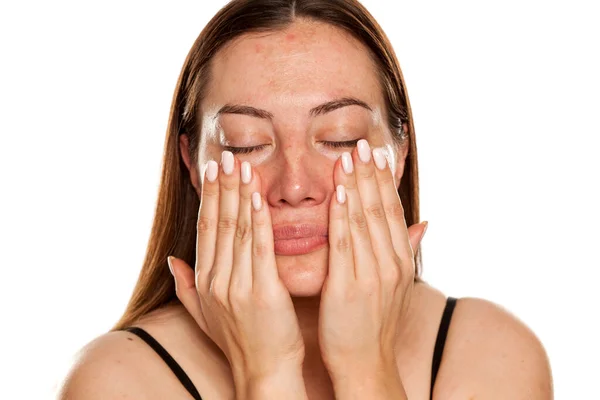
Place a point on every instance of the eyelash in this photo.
(247, 150)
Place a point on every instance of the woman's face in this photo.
(292, 92)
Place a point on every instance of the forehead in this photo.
(304, 64)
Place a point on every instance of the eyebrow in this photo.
(314, 112)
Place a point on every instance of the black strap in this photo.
(441, 341)
(177, 370)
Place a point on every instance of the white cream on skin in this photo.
(213, 133)
(387, 149)
(208, 132)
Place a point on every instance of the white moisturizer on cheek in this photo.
(388, 149)
(208, 133)
(390, 154)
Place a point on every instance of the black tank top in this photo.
(187, 383)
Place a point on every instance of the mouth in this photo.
(293, 240)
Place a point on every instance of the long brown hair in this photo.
(174, 228)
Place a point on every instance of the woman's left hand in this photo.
(371, 271)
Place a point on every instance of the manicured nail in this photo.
(340, 194)
(347, 164)
(256, 201)
(212, 170)
(379, 157)
(364, 151)
(246, 172)
(170, 261)
(426, 223)
(227, 162)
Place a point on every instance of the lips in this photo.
(299, 239)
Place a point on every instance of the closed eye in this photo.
(347, 143)
(244, 150)
(247, 150)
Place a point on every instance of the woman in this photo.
(291, 127)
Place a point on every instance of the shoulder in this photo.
(490, 354)
(107, 367)
(117, 365)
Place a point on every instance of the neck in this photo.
(314, 371)
(307, 310)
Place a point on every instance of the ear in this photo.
(402, 153)
(184, 148)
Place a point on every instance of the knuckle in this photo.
(260, 221)
(392, 275)
(351, 294)
(367, 173)
(338, 215)
(376, 211)
(343, 244)
(209, 192)
(386, 179)
(229, 186)
(260, 250)
(370, 285)
(238, 296)
(245, 196)
(358, 220)
(219, 290)
(395, 211)
(201, 282)
(407, 270)
(243, 232)
(227, 223)
(205, 225)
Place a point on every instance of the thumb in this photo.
(185, 287)
(416, 233)
(182, 272)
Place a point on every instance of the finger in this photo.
(185, 288)
(369, 182)
(241, 274)
(394, 211)
(264, 266)
(229, 180)
(364, 259)
(416, 233)
(341, 258)
(206, 226)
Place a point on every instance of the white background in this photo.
(505, 100)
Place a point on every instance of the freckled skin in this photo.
(287, 73)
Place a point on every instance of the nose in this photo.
(298, 178)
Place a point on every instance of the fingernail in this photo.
(379, 157)
(364, 151)
(340, 194)
(169, 261)
(227, 162)
(246, 172)
(347, 164)
(212, 170)
(426, 223)
(256, 201)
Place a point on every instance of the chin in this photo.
(304, 275)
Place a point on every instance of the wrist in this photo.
(285, 383)
(377, 381)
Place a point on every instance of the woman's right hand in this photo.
(235, 295)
